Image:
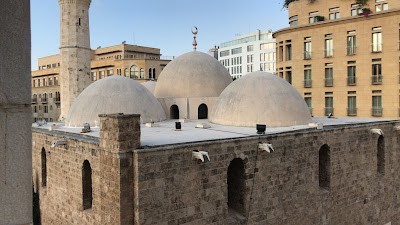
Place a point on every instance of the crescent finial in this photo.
(196, 30)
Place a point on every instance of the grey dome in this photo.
(193, 74)
(260, 98)
(114, 94)
(150, 85)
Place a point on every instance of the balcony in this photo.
(307, 83)
(377, 111)
(307, 55)
(44, 100)
(329, 82)
(56, 100)
(352, 50)
(328, 53)
(377, 79)
(376, 48)
(328, 111)
(352, 111)
(34, 100)
(351, 81)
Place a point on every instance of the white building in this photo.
(248, 53)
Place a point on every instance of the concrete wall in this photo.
(281, 187)
(15, 113)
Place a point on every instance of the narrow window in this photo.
(87, 185)
(79, 21)
(381, 155)
(202, 112)
(324, 167)
(44, 168)
(236, 186)
(154, 73)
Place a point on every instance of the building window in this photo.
(307, 78)
(289, 52)
(381, 155)
(351, 43)
(46, 110)
(126, 72)
(328, 106)
(307, 48)
(237, 186)
(202, 112)
(376, 39)
(377, 106)
(351, 75)
(110, 72)
(309, 103)
(324, 167)
(249, 58)
(94, 76)
(329, 75)
(334, 13)
(224, 53)
(87, 194)
(154, 73)
(381, 6)
(50, 81)
(55, 80)
(102, 74)
(134, 72)
(250, 68)
(267, 46)
(250, 48)
(356, 9)
(328, 47)
(377, 73)
(44, 167)
(311, 18)
(293, 21)
(289, 76)
(141, 73)
(236, 51)
(351, 105)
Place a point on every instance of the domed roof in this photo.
(114, 94)
(260, 98)
(193, 74)
(150, 85)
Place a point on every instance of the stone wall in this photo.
(281, 187)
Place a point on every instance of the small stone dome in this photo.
(114, 94)
(150, 85)
(193, 74)
(260, 98)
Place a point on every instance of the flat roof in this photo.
(165, 133)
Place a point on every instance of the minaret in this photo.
(74, 51)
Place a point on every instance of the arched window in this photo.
(141, 73)
(126, 73)
(154, 73)
(202, 112)
(236, 186)
(381, 155)
(174, 112)
(324, 167)
(44, 168)
(150, 74)
(134, 72)
(87, 195)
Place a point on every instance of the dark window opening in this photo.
(79, 21)
(381, 155)
(325, 167)
(174, 112)
(87, 185)
(202, 111)
(44, 168)
(236, 186)
(154, 73)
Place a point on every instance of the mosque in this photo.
(196, 148)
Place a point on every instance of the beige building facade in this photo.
(341, 58)
(136, 62)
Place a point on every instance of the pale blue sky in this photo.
(164, 24)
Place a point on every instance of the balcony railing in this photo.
(351, 50)
(351, 81)
(329, 82)
(328, 111)
(352, 111)
(44, 100)
(307, 83)
(377, 79)
(377, 111)
(328, 53)
(307, 55)
(376, 48)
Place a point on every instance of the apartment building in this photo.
(136, 62)
(343, 56)
(248, 53)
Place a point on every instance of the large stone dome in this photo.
(150, 85)
(193, 74)
(260, 98)
(114, 94)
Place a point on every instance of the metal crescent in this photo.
(195, 32)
